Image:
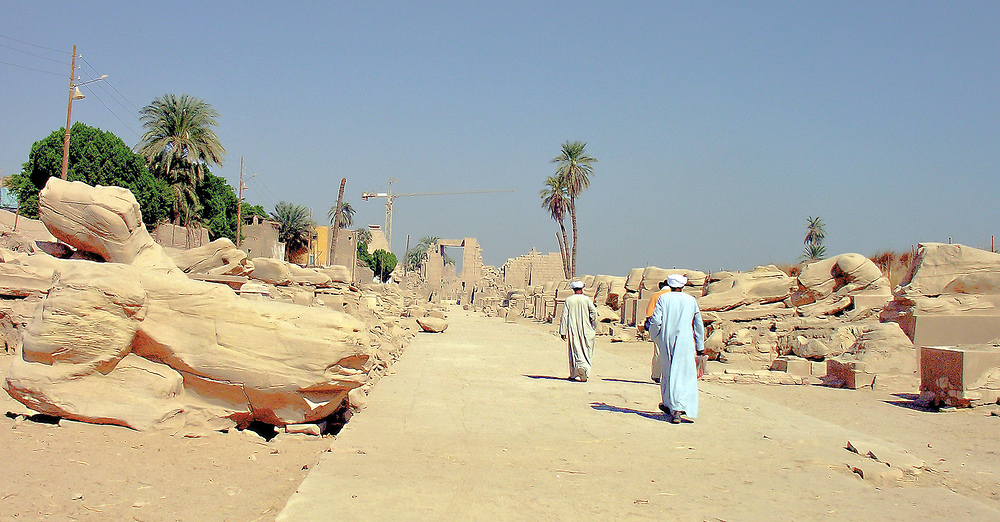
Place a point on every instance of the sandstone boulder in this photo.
(144, 346)
(338, 273)
(728, 290)
(273, 271)
(220, 257)
(432, 324)
(101, 220)
(309, 276)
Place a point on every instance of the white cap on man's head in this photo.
(576, 285)
(676, 281)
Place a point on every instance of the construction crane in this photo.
(389, 197)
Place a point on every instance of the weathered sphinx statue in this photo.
(133, 341)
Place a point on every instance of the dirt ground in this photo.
(72, 470)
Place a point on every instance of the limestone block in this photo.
(89, 350)
(220, 257)
(764, 284)
(432, 324)
(20, 280)
(606, 315)
(634, 280)
(953, 268)
(308, 276)
(955, 329)
(960, 376)
(338, 273)
(652, 277)
(137, 393)
(102, 220)
(273, 271)
(822, 278)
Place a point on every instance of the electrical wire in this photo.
(30, 69)
(34, 45)
(32, 54)
(110, 84)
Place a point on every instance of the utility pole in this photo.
(69, 110)
(239, 208)
(335, 233)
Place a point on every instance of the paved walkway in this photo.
(479, 423)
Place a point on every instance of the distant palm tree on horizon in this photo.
(556, 201)
(575, 169)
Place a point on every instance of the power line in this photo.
(32, 54)
(113, 87)
(30, 69)
(35, 45)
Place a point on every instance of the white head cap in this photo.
(576, 285)
(676, 281)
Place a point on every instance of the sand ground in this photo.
(477, 423)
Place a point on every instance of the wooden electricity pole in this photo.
(336, 226)
(239, 208)
(69, 111)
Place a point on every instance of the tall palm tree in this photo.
(344, 218)
(575, 169)
(556, 201)
(179, 144)
(296, 227)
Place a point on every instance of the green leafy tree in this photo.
(574, 171)
(217, 200)
(95, 158)
(179, 144)
(815, 234)
(383, 263)
(364, 258)
(296, 227)
(555, 199)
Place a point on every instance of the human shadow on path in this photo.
(657, 416)
(629, 381)
(550, 377)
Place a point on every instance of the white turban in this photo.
(576, 285)
(676, 281)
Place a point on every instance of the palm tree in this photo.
(296, 228)
(344, 218)
(179, 144)
(556, 201)
(364, 235)
(814, 231)
(813, 252)
(575, 169)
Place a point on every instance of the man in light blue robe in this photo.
(679, 335)
(578, 327)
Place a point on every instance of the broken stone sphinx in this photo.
(134, 341)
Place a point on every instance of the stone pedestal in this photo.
(959, 376)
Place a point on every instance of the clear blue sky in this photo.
(719, 127)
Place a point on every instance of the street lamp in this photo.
(74, 94)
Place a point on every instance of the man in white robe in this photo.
(679, 334)
(578, 328)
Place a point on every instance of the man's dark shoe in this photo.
(663, 408)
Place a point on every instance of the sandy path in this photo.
(477, 423)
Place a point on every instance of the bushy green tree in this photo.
(383, 263)
(95, 158)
